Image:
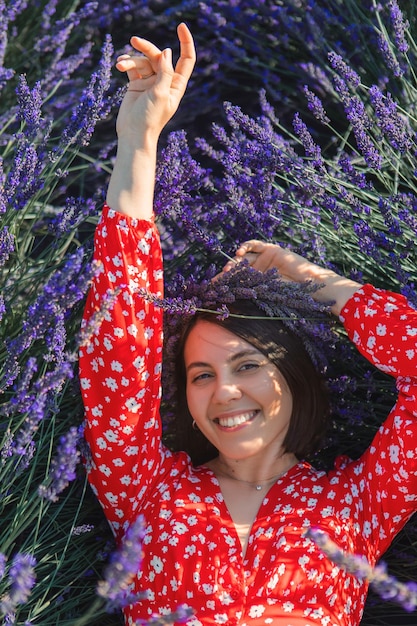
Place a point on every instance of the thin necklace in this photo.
(257, 485)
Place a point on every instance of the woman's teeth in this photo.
(237, 420)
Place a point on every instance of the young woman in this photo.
(227, 537)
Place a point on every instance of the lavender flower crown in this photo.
(275, 298)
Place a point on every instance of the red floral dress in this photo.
(192, 553)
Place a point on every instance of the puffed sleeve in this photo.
(120, 366)
(383, 326)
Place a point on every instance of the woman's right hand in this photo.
(155, 87)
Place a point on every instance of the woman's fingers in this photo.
(136, 67)
(186, 62)
(153, 61)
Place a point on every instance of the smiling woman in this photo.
(285, 355)
(226, 531)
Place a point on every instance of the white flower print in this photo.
(180, 528)
(139, 363)
(144, 247)
(327, 511)
(101, 443)
(370, 344)
(389, 307)
(256, 611)
(394, 454)
(107, 343)
(111, 497)
(157, 564)
(132, 405)
(367, 529)
(116, 366)
(132, 330)
(85, 383)
(111, 436)
(381, 330)
(111, 383)
(105, 469)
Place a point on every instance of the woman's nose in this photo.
(226, 390)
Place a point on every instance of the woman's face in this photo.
(237, 397)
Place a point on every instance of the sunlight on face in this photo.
(237, 397)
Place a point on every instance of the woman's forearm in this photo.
(132, 183)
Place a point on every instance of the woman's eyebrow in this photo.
(233, 357)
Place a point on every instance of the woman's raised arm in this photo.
(154, 92)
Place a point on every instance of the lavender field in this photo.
(299, 127)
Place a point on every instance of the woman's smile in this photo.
(235, 421)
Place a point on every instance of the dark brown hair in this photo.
(285, 350)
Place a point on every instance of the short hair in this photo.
(309, 417)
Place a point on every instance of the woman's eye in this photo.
(200, 377)
(248, 366)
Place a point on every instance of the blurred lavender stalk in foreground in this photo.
(386, 586)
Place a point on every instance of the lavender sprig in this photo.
(388, 587)
(116, 588)
(63, 466)
(22, 579)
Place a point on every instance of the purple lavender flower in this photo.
(312, 149)
(24, 178)
(316, 106)
(400, 25)
(357, 116)
(45, 317)
(393, 125)
(6, 245)
(389, 56)
(30, 108)
(93, 105)
(123, 568)
(48, 11)
(3, 560)
(180, 616)
(56, 38)
(63, 466)
(37, 405)
(22, 579)
(76, 210)
(349, 75)
(388, 587)
(353, 175)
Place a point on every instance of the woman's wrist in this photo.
(132, 183)
(336, 288)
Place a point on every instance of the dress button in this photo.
(235, 594)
